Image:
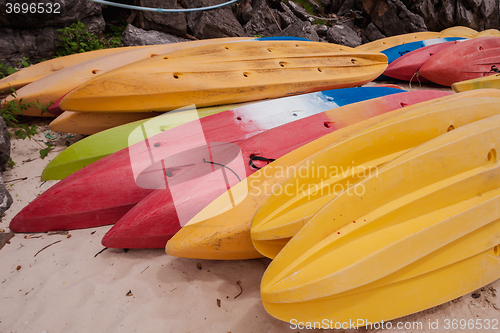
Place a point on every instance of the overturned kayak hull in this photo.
(442, 250)
(224, 74)
(466, 60)
(285, 212)
(108, 188)
(222, 229)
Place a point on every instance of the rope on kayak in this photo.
(50, 136)
(163, 10)
(222, 165)
(259, 158)
(416, 75)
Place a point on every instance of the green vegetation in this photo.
(44, 152)
(310, 10)
(14, 108)
(6, 70)
(11, 163)
(307, 6)
(76, 39)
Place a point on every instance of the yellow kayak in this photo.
(388, 42)
(459, 31)
(323, 178)
(226, 74)
(52, 87)
(424, 231)
(488, 33)
(222, 231)
(91, 123)
(36, 72)
(11, 87)
(492, 81)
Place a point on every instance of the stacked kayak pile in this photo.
(445, 61)
(402, 206)
(360, 195)
(145, 81)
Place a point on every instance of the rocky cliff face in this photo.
(438, 15)
(348, 22)
(34, 35)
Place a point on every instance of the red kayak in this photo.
(104, 191)
(407, 67)
(470, 59)
(153, 221)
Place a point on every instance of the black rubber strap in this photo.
(259, 158)
(494, 69)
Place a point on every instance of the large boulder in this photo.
(172, 23)
(36, 44)
(371, 33)
(216, 23)
(392, 17)
(133, 36)
(302, 29)
(343, 35)
(266, 21)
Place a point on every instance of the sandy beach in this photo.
(70, 286)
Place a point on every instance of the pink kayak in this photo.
(466, 60)
(407, 67)
(153, 221)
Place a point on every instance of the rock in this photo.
(171, 23)
(136, 36)
(464, 15)
(5, 198)
(244, 12)
(326, 4)
(4, 146)
(301, 29)
(350, 5)
(320, 29)
(487, 8)
(343, 35)
(439, 15)
(214, 23)
(265, 21)
(95, 24)
(392, 17)
(287, 16)
(371, 33)
(316, 6)
(35, 36)
(70, 11)
(299, 11)
(286, 19)
(336, 5)
(36, 44)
